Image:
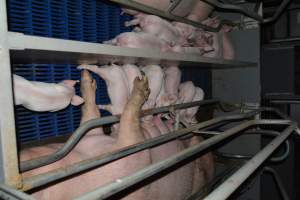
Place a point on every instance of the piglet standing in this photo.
(41, 97)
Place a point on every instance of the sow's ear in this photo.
(76, 100)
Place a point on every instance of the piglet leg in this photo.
(130, 129)
(89, 108)
(133, 22)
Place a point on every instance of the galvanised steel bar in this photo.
(233, 182)
(9, 172)
(7, 192)
(279, 158)
(235, 8)
(123, 183)
(278, 181)
(42, 179)
(85, 127)
(147, 9)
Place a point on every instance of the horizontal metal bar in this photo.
(42, 179)
(279, 158)
(123, 183)
(35, 49)
(285, 101)
(233, 182)
(10, 193)
(85, 127)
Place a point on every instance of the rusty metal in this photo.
(9, 172)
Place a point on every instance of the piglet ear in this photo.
(76, 100)
(70, 83)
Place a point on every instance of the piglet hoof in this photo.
(141, 90)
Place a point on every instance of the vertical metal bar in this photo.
(9, 173)
(233, 182)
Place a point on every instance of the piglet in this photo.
(172, 81)
(139, 40)
(117, 86)
(155, 77)
(131, 71)
(41, 97)
(189, 115)
(187, 92)
(159, 27)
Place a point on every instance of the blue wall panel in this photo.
(82, 20)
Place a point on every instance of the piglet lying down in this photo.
(39, 96)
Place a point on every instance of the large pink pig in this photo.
(139, 40)
(181, 179)
(159, 27)
(96, 144)
(41, 97)
(117, 86)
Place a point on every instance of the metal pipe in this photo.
(278, 12)
(233, 182)
(85, 127)
(279, 158)
(278, 181)
(234, 8)
(7, 192)
(123, 183)
(42, 179)
(147, 9)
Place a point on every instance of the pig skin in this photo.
(159, 27)
(130, 133)
(131, 71)
(172, 81)
(117, 85)
(139, 40)
(41, 97)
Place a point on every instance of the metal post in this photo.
(233, 182)
(9, 173)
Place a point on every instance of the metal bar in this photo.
(35, 49)
(234, 8)
(280, 158)
(278, 12)
(151, 10)
(85, 127)
(233, 182)
(42, 179)
(9, 172)
(278, 181)
(123, 183)
(7, 192)
(82, 130)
